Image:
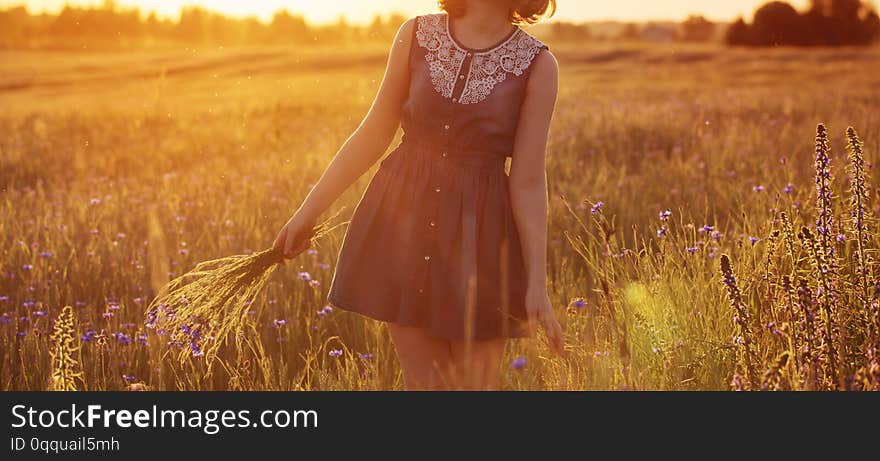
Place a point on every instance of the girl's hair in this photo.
(521, 11)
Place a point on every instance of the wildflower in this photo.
(716, 235)
(152, 317)
(120, 235)
(95, 201)
(142, 339)
(107, 315)
(841, 238)
(312, 252)
(280, 323)
(27, 267)
(323, 266)
(80, 304)
(46, 254)
(325, 311)
(272, 301)
(662, 232)
(692, 250)
(5, 318)
(184, 251)
(577, 303)
(705, 229)
(122, 338)
(753, 240)
(314, 283)
(664, 215)
(128, 379)
(335, 353)
(21, 334)
(88, 336)
(40, 313)
(196, 350)
(4, 298)
(518, 363)
(597, 208)
(789, 188)
(758, 188)
(365, 356)
(304, 276)
(138, 300)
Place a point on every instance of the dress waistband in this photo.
(455, 154)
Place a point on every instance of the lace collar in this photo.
(488, 67)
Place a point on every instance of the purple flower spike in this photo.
(518, 363)
(597, 208)
(304, 276)
(280, 323)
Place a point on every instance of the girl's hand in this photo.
(541, 312)
(291, 237)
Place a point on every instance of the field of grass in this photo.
(120, 170)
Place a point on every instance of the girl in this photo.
(444, 245)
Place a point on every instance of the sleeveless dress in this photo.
(432, 242)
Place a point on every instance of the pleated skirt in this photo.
(433, 244)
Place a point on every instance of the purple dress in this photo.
(433, 242)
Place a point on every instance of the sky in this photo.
(360, 11)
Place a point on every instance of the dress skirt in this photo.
(433, 244)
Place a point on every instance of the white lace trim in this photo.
(488, 68)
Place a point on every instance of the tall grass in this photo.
(653, 178)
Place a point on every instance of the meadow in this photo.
(121, 170)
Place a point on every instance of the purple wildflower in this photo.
(758, 188)
(304, 276)
(717, 235)
(841, 238)
(40, 313)
(88, 336)
(128, 379)
(789, 188)
(365, 356)
(80, 304)
(323, 266)
(107, 315)
(597, 208)
(4, 298)
(280, 323)
(5, 318)
(664, 215)
(196, 350)
(753, 240)
(27, 267)
(335, 353)
(142, 339)
(692, 250)
(578, 303)
(312, 252)
(46, 254)
(518, 363)
(325, 311)
(706, 228)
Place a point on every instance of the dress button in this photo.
(421, 290)
(427, 257)
(445, 127)
(461, 77)
(432, 223)
(454, 99)
(437, 190)
(444, 155)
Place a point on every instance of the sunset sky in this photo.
(363, 10)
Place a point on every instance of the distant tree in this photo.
(738, 33)
(826, 22)
(286, 26)
(697, 29)
(630, 32)
(777, 23)
(567, 31)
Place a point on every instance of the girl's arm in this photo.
(363, 148)
(528, 190)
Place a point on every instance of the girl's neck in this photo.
(484, 20)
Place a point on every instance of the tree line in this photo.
(111, 26)
(824, 23)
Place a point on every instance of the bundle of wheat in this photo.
(199, 309)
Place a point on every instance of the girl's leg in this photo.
(425, 361)
(477, 364)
